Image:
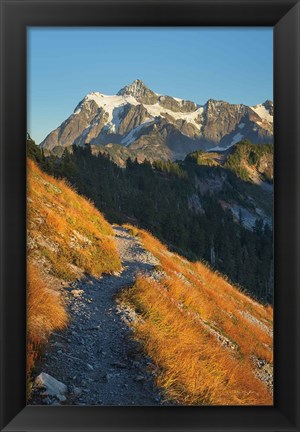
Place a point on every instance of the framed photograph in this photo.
(150, 215)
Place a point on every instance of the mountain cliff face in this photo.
(158, 126)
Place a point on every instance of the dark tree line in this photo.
(155, 197)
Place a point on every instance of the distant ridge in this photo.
(159, 126)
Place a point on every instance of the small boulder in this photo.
(76, 292)
(107, 377)
(50, 386)
(139, 378)
(77, 391)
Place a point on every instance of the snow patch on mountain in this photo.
(116, 118)
(249, 218)
(262, 112)
(132, 135)
(236, 139)
(157, 110)
(108, 103)
(94, 123)
(218, 148)
(113, 105)
(98, 117)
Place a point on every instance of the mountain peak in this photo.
(138, 82)
(217, 101)
(135, 88)
(268, 104)
(139, 117)
(139, 91)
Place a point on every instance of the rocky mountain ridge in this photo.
(158, 126)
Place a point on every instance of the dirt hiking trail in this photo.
(95, 357)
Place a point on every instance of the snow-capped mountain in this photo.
(158, 126)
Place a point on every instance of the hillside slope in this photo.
(246, 160)
(67, 238)
(192, 208)
(211, 344)
(242, 179)
(163, 331)
(95, 356)
(198, 340)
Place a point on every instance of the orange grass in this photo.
(68, 237)
(45, 313)
(194, 369)
(193, 296)
(66, 229)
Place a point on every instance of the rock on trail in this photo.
(95, 357)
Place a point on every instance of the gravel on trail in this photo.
(96, 356)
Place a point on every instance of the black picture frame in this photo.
(16, 16)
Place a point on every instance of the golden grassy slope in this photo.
(45, 313)
(67, 238)
(65, 230)
(201, 332)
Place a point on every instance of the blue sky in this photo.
(232, 64)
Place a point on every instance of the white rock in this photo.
(51, 386)
(58, 345)
(77, 293)
(77, 391)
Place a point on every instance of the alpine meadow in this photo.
(150, 217)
